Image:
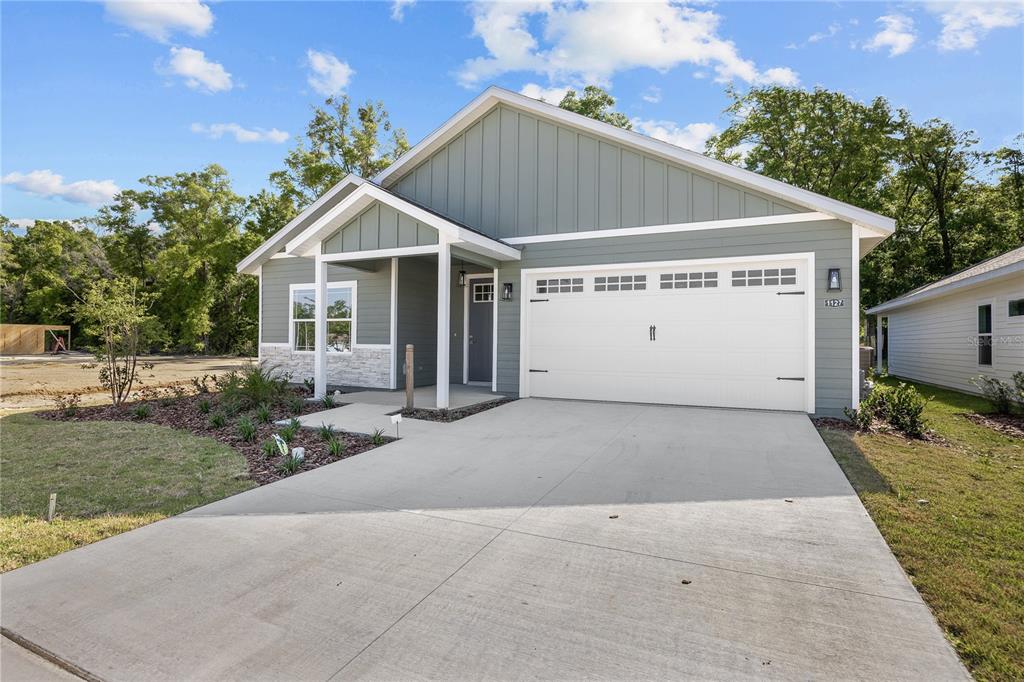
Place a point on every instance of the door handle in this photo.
(653, 332)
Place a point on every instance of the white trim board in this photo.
(672, 227)
(493, 95)
(810, 379)
(394, 324)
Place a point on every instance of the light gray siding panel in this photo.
(369, 228)
(830, 240)
(547, 174)
(373, 298)
(388, 229)
(526, 177)
(407, 232)
(350, 236)
(379, 227)
(511, 174)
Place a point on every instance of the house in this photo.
(970, 323)
(597, 264)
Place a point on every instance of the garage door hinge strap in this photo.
(539, 300)
(790, 293)
(789, 378)
(542, 371)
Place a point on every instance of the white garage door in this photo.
(726, 335)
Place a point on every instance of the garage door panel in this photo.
(721, 346)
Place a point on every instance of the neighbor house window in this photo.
(339, 318)
(1016, 308)
(985, 334)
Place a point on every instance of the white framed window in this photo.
(985, 335)
(563, 285)
(769, 277)
(483, 293)
(620, 283)
(689, 280)
(341, 303)
(1015, 308)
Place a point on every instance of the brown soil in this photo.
(454, 414)
(184, 413)
(1011, 425)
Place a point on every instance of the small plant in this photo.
(1001, 394)
(201, 384)
(253, 385)
(262, 413)
(68, 404)
(218, 420)
(205, 406)
(295, 404)
(290, 464)
(327, 401)
(309, 384)
(326, 432)
(377, 438)
(269, 448)
(291, 430)
(246, 429)
(141, 411)
(336, 447)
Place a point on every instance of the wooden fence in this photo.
(32, 339)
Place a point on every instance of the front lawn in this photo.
(109, 477)
(952, 510)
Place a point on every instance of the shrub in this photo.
(253, 385)
(246, 429)
(310, 385)
(900, 406)
(68, 404)
(201, 384)
(141, 411)
(1001, 394)
(218, 420)
(204, 406)
(327, 401)
(378, 437)
(336, 447)
(289, 432)
(326, 432)
(295, 404)
(263, 413)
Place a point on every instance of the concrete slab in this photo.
(484, 548)
(459, 395)
(21, 665)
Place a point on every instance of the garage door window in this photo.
(621, 283)
(689, 280)
(564, 285)
(766, 277)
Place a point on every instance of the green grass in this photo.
(964, 548)
(109, 477)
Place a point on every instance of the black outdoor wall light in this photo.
(506, 291)
(835, 282)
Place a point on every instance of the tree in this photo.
(597, 104)
(129, 244)
(337, 145)
(116, 312)
(819, 140)
(1006, 197)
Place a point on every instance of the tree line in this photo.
(177, 238)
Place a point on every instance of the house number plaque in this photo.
(835, 302)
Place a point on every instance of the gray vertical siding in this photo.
(373, 305)
(830, 240)
(514, 175)
(379, 227)
(417, 317)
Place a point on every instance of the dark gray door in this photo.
(481, 329)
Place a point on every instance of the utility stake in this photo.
(53, 507)
(410, 379)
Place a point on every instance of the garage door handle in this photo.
(790, 293)
(789, 378)
(652, 331)
(539, 300)
(541, 371)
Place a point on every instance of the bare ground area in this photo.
(32, 382)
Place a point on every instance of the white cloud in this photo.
(329, 75)
(159, 19)
(550, 95)
(778, 75)
(652, 95)
(215, 131)
(199, 72)
(897, 34)
(398, 8)
(832, 30)
(23, 223)
(591, 42)
(965, 23)
(691, 136)
(46, 183)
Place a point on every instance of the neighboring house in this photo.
(598, 264)
(970, 323)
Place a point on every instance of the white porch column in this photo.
(320, 328)
(878, 343)
(444, 295)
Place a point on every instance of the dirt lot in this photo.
(32, 382)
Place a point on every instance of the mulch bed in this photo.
(455, 414)
(1011, 425)
(876, 427)
(183, 413)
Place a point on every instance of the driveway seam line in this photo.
(48, 656)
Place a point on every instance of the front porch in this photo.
(459, 395)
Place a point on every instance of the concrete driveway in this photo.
(541, 539)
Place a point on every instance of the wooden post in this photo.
(410, 375)
(53, 507)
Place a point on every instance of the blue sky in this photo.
(96, 95)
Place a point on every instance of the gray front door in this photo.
(481, 329)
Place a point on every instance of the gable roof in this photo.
(1005, 264)
(874, 224)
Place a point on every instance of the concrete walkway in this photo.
(541, 539)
